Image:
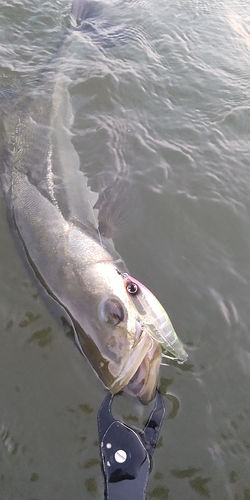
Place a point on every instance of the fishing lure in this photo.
(155, 320)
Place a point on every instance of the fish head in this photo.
(121, 352)
(129, 333)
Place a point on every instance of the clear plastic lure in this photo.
(154, 319)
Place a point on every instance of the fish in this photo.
(59, 221)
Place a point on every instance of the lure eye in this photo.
(112, 312)
(132, 288)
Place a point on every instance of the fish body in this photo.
(82, 275)
(52, 210)
(56, 215)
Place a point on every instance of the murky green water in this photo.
(167, 105)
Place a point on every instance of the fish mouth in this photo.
(144, 382)
(139, 375)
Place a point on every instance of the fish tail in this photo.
(82, 10)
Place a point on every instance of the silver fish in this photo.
(54, 214)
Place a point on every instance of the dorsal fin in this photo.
(118, 208)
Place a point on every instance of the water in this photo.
(166, 105)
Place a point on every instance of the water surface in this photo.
(165, 104)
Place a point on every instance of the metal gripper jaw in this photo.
(126, 453)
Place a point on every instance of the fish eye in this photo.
(112, 312)
(132, 288)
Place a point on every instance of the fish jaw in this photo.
(139, 376)
(145, 380)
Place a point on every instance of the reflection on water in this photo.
(168, 108)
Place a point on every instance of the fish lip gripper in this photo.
(126, 453)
